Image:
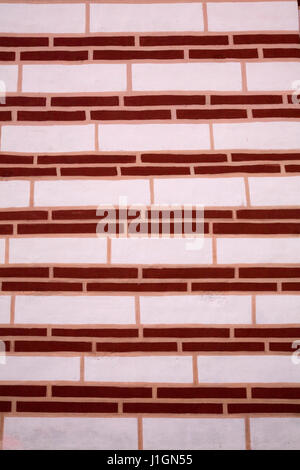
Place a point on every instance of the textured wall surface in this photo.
(141, 343)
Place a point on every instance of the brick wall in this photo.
(140, 343)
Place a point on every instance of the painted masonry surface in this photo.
(135, 341)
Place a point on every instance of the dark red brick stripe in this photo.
(190, 40)
(101, 391)
(85, 101)
(266, 39)
(136, 55)
(66, 407)
(23, 390)
(54, 55)
(224, 347)
(280, 332)
(94, 41)
(51, 346)
(136, 346)
(96, 332)
(160, 100)
(11, 41)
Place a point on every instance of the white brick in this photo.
(74, 78)
(42, 433)
(277, 309)
(4, 309)
(2, 250)
(258, 250)
(8, 75)
(202, 191)
(40, 368)
(195, 309)
(63, 138)
(90, 193)
(74, 310)
(275, 433)
(270, 191)
(270, 76)
(252, 16)
(139, 369)
(57, 250)
(14, 193)
(131, 137)
(240, 369)
(213, 76)
(160, 251)
(34, 18)
(257, 135)
(146, 17)
(194, 433)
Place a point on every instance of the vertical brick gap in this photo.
(140, 433)
(151, 186)
(244, 76)
(87, 18)
(137, 310)
(247, 433)
(81, 369)
(211, 136)
(96, 137)
(12, 309)
(195, 370)
(108, 250)
(31, 194)
(20, 78)
(247, 191)
(253, 308)
(205, 17)
(6, 255)
(129, 76)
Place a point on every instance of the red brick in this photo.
(89, 171)
(56, 228)
(281, 52)
(241, 157)
(276, 113)
(23, 390)
(96, 332)
(187, 273)
(255, 228)
(276, 392)
(106, 115)
(281, 347)
(201, 170)
(85, 159)
(267, 332)
(228, 347)
(263, 408)
(51, 115)
(211, 113)
(186, 332)
(233, 286)
(24, 101)
(84, 100)
(41, 287)
(94, 41)
(66, 407)
(268, 214)
(54, 55)
(136, 55)
(266, 39)
(6, 229)
(268, 272)
(223, 54)
(7, 41)
(177, 408)
(191, 40)
(201, 392)
(51, 346)
(154, 170)
(10, 331)
(291, 286)
(7, 55)
(5, 406)
(23, 215)
(136, 346)
(137, 287)
(16, 159)
(292, 168)
(101, 391)
(27, 171)
(24, 271)
(95, 272)
(5, 115)
(183, 158)
(161, 100)
(245, 99)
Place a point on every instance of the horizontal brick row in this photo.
(174, 226)
(144, 100)
(47, 346)
(195, 392)
(148, 407)
(80, 55)
(215, 333)
(91, 214)
(146, 115)
(129, 18)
